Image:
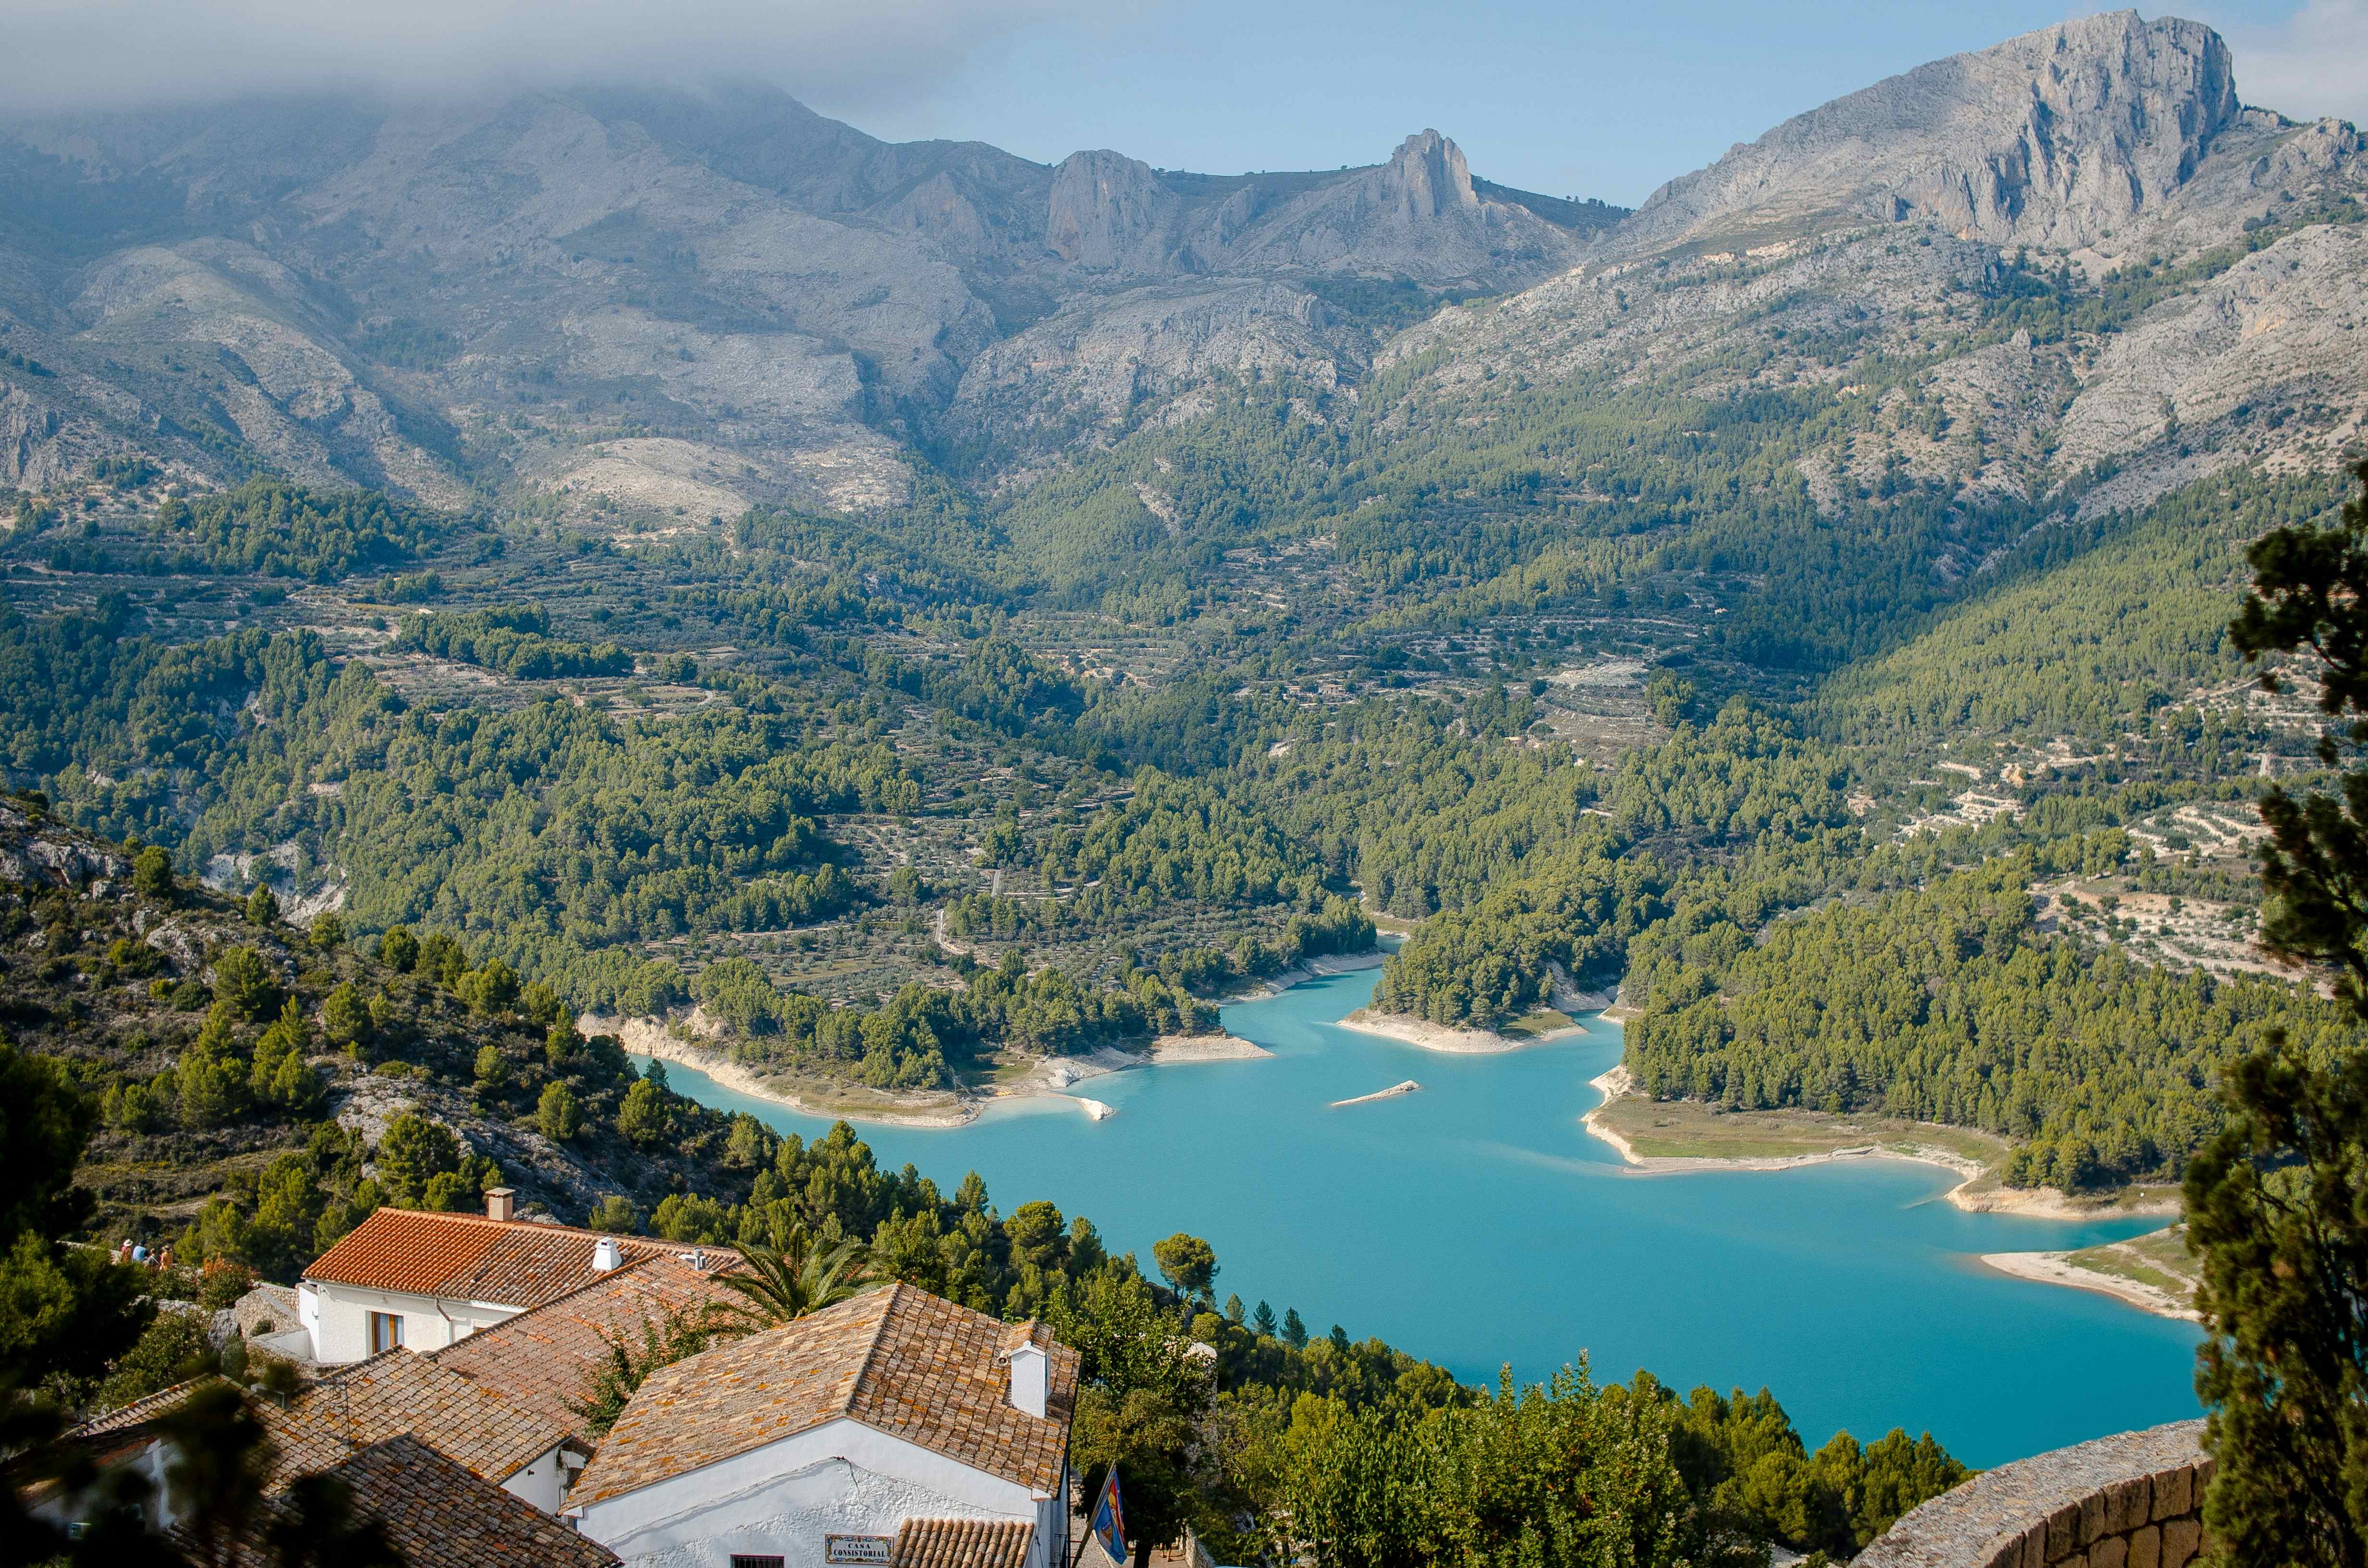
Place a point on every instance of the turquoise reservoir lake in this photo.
(1477, 1224)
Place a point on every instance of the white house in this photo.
(404, 1279)
(896, 1429)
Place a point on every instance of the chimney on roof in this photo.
(501, 1203)
(1032, 1376)
(604, 1254)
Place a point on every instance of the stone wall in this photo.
(2133, 1500)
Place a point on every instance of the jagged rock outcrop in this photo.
(1428, 178)
(2050, 139)
(1420, 216)
(1109, 212)
(1417, 216)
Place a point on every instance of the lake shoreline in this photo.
(2037, 1203)
(1313, 1205)
(2058, 1268)
(942, 1110)
(1324, 966)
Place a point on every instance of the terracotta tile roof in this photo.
(514, 1263)
(899, 1360)
(397, 1393)
(436, 1512)
(140, 1412)
(542, 1360)
(962, 1543)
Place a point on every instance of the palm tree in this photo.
(781, 1284)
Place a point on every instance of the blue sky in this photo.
(1592, 99)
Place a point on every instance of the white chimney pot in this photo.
(604, 1254)
(1031, 1373)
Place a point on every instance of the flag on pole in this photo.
(1110, 1520)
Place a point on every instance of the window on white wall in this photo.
(385, 1332)
(742, 1560)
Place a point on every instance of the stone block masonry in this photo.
(2133, 1500)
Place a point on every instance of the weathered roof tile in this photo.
(899, 1360)
(543, 1361)
(435, 1511)
(400, 1392)
(961, 1543)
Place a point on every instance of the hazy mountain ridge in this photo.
(659, 256)
(678, 304)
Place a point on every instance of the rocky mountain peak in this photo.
(1427, 177)
(1108, 211)
(2051, 139)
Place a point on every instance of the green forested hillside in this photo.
(1738, 810)
(1524, 495)
(283, 530)
(1945, 1004)
(727, 777)
(2084, 639)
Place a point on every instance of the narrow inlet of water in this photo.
(1477, 1225)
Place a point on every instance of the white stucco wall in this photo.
(542, 1483)
(1050, 1545)
(341, 1326)
(841, 1479)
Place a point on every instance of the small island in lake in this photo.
(1409, 1087)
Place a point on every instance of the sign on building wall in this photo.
(857, 1547)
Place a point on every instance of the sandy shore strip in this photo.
(2037, 1203)
(2056, 1269)
(644, 1037)
(1563, 996)
(1407, 1030)
(1179, 1050)
(1616, 1084)
(1393, 1092)
(1050, 1078)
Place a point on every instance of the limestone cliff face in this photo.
(1427, 178)
(1109, 212)
(2050, 139)
(2113, 143)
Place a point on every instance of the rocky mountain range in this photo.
(676, 304)
(749, 301)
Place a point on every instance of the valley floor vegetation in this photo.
(177, 1051)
